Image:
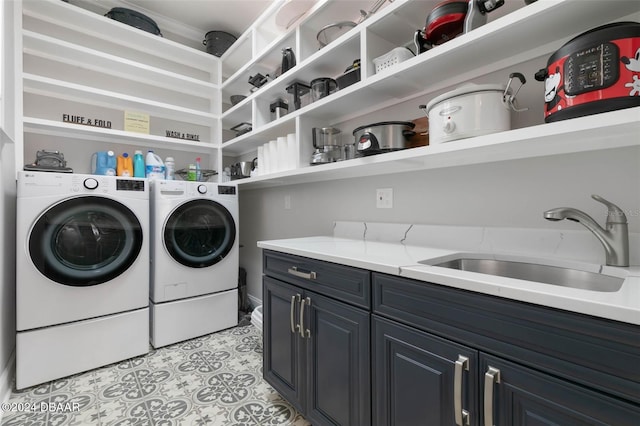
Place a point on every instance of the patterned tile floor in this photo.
(212, 380)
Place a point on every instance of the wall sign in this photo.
(79, 119)
(180, 135)
(137, 122)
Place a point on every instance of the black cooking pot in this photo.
(134, 19)
(218, 42)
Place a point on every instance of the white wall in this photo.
(503, 194)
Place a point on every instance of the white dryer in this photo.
(194, 260)
(82, 273)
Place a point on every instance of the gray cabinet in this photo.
(525, 364)
(316, 348)
(515, 395)
(349, 347)
(420, 379)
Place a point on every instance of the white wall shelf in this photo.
(120, 38)
(617, 129)
(88, 133)
(74, 92)
(93, 60)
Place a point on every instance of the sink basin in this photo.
(565, 277)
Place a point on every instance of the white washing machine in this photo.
(82, 273)
(194, 260)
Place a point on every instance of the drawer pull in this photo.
(461, 415)
(307, 275)
(304, 333)
(294, 328)
(490, 377)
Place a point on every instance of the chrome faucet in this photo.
(615, 238)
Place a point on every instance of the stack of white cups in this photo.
(277, 155)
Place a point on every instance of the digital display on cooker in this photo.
(590, 69)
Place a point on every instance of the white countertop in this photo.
(403, 260)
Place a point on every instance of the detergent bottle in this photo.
(125, 165)
(154, 166)
(103, 163)
(138, 164)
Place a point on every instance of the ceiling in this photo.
(232, 16)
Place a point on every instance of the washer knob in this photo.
(202, 189)
(90, 183)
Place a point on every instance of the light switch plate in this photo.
(384, 198)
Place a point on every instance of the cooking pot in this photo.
(384, 136)
(450, 18)
(471, 110)
(597, 71)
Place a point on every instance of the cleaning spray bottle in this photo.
(198, 170)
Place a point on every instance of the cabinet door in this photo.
(283, 364)
(338, 369)
(421, 379)
(515, 395)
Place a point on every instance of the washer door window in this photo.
(199, 233)
(85, 241)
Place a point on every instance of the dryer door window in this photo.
(85, 241)
(199, 233)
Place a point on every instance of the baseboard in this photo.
(6, 379)
(254, 301)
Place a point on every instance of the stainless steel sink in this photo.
(565, 277)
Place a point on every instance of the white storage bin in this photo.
(397, 55)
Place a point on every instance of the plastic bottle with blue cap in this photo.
(154, 166)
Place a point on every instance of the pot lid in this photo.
(465, 90)
(386, 123)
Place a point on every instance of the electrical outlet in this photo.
(287, 202)
(384, 198)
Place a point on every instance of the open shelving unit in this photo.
(512, 36)
(68, 65)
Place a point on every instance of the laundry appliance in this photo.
(194, 260)
(82, 273)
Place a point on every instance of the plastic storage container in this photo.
(397, 55)
(154, 166)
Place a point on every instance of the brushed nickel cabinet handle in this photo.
(490, 377)
(304, 333)
(294, 328)
(461, 415)
(307, 275)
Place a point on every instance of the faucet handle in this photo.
(614, 214)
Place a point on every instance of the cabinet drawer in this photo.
(341, 282)
(599, 353)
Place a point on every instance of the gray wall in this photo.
(502, 194)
